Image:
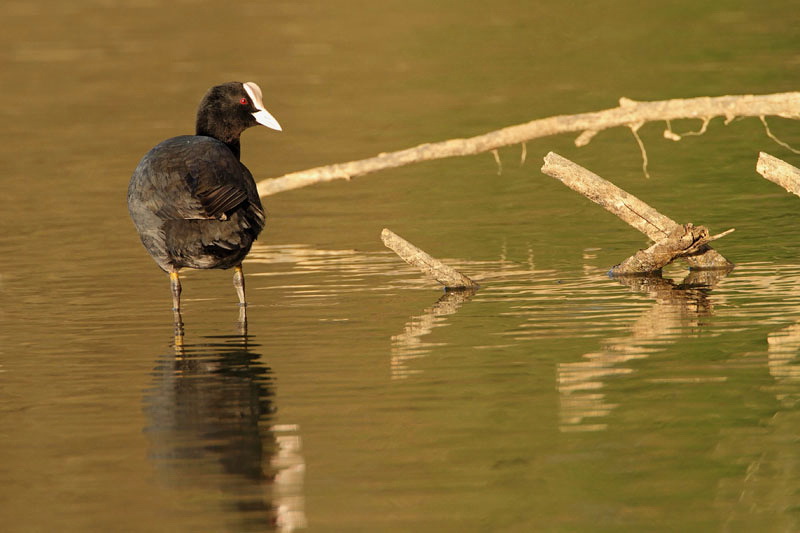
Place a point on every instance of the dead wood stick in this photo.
(430, 266)
(780, 172)
(629, 113)
(683, 240)
(626, 206)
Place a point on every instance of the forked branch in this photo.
(686, 241)
(681, 242)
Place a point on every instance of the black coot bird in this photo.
(193, 202)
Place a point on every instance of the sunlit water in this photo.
(361, 396)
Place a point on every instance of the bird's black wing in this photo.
(218, 201)
(195, 204)
(199, 178)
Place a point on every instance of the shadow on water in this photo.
(210, 412)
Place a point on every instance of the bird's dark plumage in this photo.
(191, 199)
(194, 204)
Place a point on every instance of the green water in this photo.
(363, 398)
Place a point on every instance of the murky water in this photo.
(362, 397)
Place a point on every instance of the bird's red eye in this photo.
(243, 101)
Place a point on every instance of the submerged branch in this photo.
(430, 266)
(628, 113)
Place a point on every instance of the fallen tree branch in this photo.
(629, 113)
(630, 209)
(682, 241)
(780, 172)
(430, 266)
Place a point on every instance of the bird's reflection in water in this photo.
(209, 423)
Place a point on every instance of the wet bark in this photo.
(780, 172)
(682, 241)
(430, 266)
(638, 214)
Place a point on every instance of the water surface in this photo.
(362, 397)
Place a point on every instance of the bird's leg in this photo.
(175, 285)
(242, 323)
(238, 284)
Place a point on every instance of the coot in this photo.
(193, 202)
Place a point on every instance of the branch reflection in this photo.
(676, 307)
(409, 344)
(768, 488)
(209, 413)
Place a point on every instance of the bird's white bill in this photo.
(263, 117)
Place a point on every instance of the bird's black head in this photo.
(228, 109)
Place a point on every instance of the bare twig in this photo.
(771, 136)
(635, 130)
(497, 160)
(627, 207)
(430, 266)
(780, 172)
(786, 105)
(702, 129)
(720, 235)
(669, 134)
